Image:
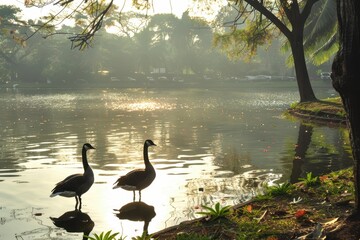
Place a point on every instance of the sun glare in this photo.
(146, 105)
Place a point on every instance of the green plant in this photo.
(144, 236)
(216, 212)
(104, 236)
(309, 180)
(280, 189)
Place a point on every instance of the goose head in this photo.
(149, 143)
(88, 146)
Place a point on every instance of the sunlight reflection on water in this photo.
(141, 106)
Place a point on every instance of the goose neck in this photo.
(146, 155)
(84, 159)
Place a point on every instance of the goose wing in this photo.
(131, 178)
(71, 183)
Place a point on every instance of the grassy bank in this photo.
(311, 209)
(329, 111)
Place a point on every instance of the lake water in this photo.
(213, 145)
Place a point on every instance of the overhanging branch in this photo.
(269, 15)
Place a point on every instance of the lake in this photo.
(219, 144)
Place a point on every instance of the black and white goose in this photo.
(77, 184)
(138, 179)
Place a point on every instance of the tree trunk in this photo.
(302, 76)
(346, 80)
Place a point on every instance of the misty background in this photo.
(163, 48)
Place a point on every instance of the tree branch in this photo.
(307, 9)
(83, 40)
(269, 15)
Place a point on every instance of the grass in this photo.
(328, 112)
(329, 106)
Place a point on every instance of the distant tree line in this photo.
(176, 46)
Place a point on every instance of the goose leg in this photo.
(139, 195)
(80, 203)
(134, 196)
(77, 202)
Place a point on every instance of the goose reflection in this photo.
(137, 211)
(74, 222)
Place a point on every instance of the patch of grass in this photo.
(250, 230)
(329, 105)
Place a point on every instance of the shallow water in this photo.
(213, 145)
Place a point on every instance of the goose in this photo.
(77, 184)
(138, 179)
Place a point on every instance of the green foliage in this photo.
(243, 43)
(144, 236)
(338, 183)
(280, 189)
(310, 180)
(104, 236)
(8, 13)
(321, 41)
(216, 212)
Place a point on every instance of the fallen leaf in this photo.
(248, 208)
(323, 178)
(300, 213)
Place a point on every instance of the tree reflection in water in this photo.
(319, 153)
(304, 140)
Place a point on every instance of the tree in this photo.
(346, 78)
(264, 20)
(16, 55)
